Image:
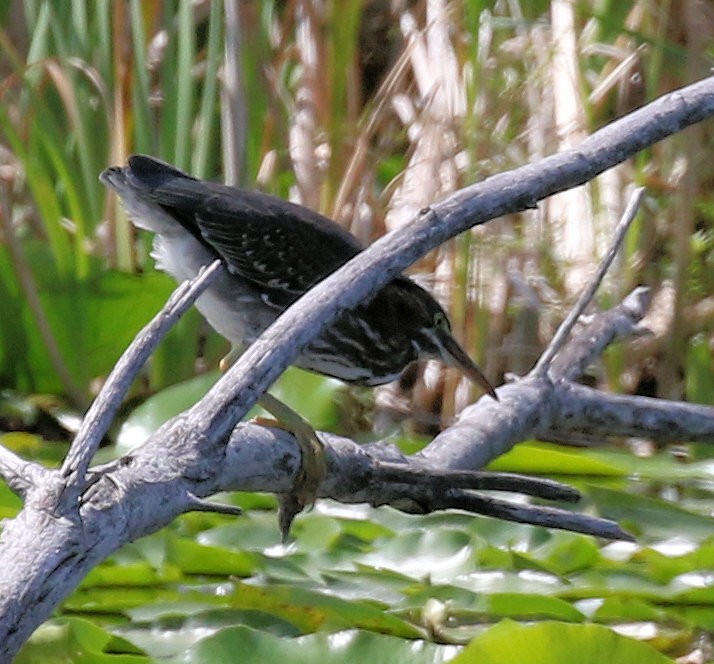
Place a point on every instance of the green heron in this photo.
(275, 251)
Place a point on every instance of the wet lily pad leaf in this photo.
(79, 641)
(556, 643)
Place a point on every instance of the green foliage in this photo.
(699, 371)
(554, 643)
(313, 396)
(100, 79)
(77, 640)
(60, 118)
(83, 313)
(352, 646)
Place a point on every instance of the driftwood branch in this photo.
(71, 520)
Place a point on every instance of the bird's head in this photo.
(433, 338)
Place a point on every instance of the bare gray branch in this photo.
(52, 544)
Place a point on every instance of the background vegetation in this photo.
(366, 111)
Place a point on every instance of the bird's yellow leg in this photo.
(231, 356)
(313, 464)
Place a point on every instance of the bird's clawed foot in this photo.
(313, 464)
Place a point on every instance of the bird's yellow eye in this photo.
(441, 321)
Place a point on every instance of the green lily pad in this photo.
(556, 643)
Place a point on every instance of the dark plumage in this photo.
(274, 252)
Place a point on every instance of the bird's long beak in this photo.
(455, 356)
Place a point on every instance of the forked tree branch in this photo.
(54, 541)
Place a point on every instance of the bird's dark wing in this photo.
(281, 247)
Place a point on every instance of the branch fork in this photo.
(75, 517)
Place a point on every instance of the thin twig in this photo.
(586, 297)
(550, 517)
(483, 480)
(585, 347)
(102, 411)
